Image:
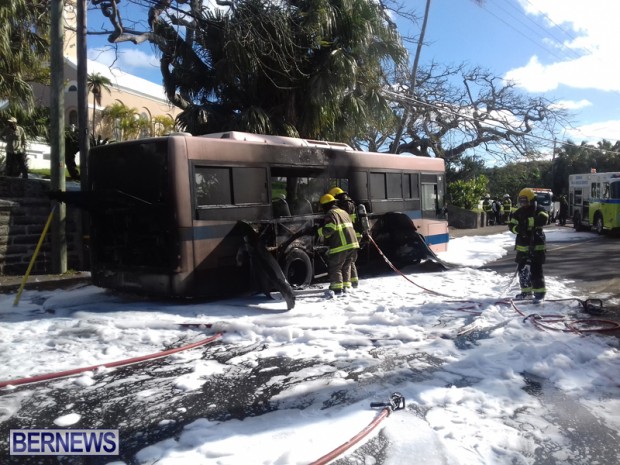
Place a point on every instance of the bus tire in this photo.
(298, 268)
(598, 223)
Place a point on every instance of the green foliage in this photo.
(96, 84)
(122, 121)
(24, 50)
(35, 122)
(466, 194)
(571, 159)
(513, 177)
(575, 159)
(312, 69)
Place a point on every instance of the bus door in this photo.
(295, 194)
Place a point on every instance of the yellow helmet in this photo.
(527, 193)
(335, 191)
(327, 198)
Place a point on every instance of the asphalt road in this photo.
(593, 264)
(118, 396)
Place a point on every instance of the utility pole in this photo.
(83, 133)
(553, 165)
(57, 136)
(82, 77)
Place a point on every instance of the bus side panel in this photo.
(221, 262)
(181, 281)
(435, 234)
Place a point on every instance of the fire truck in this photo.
(594, 201)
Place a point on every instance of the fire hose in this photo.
(118, 363)
(396, 402)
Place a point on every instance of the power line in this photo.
(542, 31)
(537, 43)
(568, 33)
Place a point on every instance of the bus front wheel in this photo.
(598, 223)
(298, 268)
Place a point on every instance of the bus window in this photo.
(250, 186)
(415, 186)
(343, 183)
(230, 186)
(407, 186)
(212, 186)
(615, 190)
(394, 186)
(377, 186)
(578, 199)
(595, 192)
(302, 193)
(429, 197)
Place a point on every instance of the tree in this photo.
(574, 159)
(162, 124)
(466, 194)
(121, 121)
(24, 50)
(455, 110)
(312, 69)
(96, 84)
(512, 177)
(449, 111)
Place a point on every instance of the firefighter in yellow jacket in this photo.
(527, 223)
(348, 205)
(339, 235)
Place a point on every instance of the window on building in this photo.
(73, 117)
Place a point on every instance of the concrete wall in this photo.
(24, 210)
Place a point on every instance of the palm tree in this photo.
(24, 48)
(312, 71)
(121, 121)
(96, 84)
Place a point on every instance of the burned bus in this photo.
(171, 216)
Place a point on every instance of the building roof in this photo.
(124, 81)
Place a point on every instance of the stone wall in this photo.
(24, 210)
(465, 219)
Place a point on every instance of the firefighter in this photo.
(343, 200)
(487, 207)
(507, 204)
(498, 211)
(527, 223)
(347, 204)
(339, 235)
(563, 210)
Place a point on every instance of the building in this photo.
(146, 97)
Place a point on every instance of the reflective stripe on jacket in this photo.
(338, 231)
(528, 224)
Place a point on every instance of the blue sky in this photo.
(565, 50)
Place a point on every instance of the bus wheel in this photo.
(598, 223)
(577, 222)
(298, 268)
